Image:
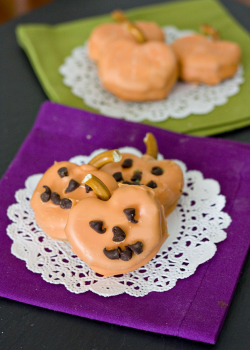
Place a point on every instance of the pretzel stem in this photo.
(151, 145)
(105, 158)
(209, 30)
(100, 189)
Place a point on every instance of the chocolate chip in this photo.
(118, 176)
(97, 226)
(66, 203)
(126, 254)
(130, 183)
(88, 188)
(127, 163)
(156, 170)
(63, 171)
(130, 214)
(45, 196)
(152, 184)
(112, 254)
(55, 198)
(73, 185)
(136, 177)
(136, 248)
(119, 234)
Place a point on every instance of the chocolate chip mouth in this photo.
(126, 254)
(64, 203)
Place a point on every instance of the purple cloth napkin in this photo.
(196, 307)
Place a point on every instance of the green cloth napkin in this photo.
(47, 47)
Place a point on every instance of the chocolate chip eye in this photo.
(127, 163)
(112, 254)
(126, 254)
(130, 214)
(63, 171)
(118, 234)
(136, 248)
(118, 176)
(66, 203)
(88, 188)
(45, 196)
(156, 170)
(136, 177)
(55, 197)
(152, 184)
(97, 226)
(73, 185)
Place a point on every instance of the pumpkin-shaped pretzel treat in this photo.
(204, 59)
(138, 70)
(163, 176)
(106, 33)
(119, 232)
(61, 188)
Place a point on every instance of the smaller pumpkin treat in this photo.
(106, 33)
(138, 70)
(163, 176)
(207, 60)
(61, 188)
(119, 232)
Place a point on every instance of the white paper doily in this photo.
(196, 224)
(80, 74)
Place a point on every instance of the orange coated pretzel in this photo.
(116, 232)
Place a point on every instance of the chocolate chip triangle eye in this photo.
(73, 185)
(118, 176)
(96, 225)
(127, 163)
(63, 171)
(152, 184)
(112, 254)
(130, 214)
(136, 248)
(156, 170)
(119, 234)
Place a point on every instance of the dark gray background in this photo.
(27, 327)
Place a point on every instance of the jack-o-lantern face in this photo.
(202, 60)
(163, 176)
(118, 235)
(59, 190)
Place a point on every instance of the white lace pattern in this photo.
(80, 74)
(195, 226)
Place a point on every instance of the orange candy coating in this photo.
(51, 217)
(169, 183)
(107, 33)
(150, 229)
(138, 72)
(203, 60)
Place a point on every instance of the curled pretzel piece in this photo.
(100, 189)
(119, 16)
(151, 145)
(105, 158)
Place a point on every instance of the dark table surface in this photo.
(27, 327)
